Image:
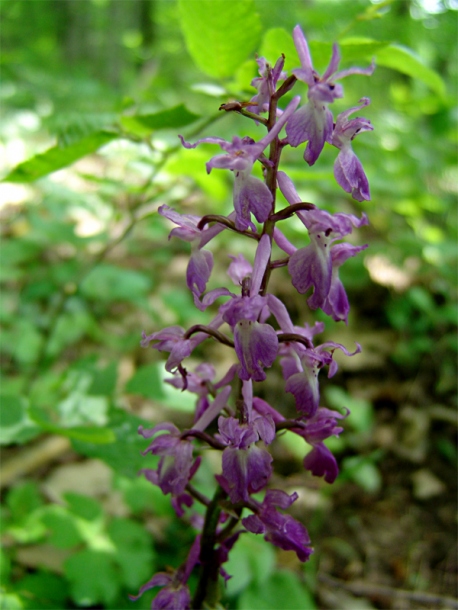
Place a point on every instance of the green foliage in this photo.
(220, 35)
(58, 157)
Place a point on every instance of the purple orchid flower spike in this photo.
(251, 195)
(348, 170)
(313, 122)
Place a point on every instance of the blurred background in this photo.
(93, 95)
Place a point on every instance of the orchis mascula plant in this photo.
(229, 417)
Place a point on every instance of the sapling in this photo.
(256, 324)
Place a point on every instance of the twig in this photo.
(364, 589)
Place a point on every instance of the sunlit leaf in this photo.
(58, 157)
(93, 577)
(83, 433)
(16, 425)
(405, 61)
(143, 124)
(220, 35)
(282, 590)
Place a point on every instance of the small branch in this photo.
(225, 532)
(287, 86)
(197, 495)
(239, 107)
(200, 328)
(203, 436)
(285, 337)
(292, 209)
(281, 262)
(288, 424)
(222, 220)
(369, 590)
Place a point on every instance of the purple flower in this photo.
(314, 121)
(246, 468)
(281, 530)
(317, 264)
(348, 170)
(321, 462)
(336, 303)
(251, 195)
(239, 269)
(201, 262)
(300, 368)
(175, 467)
(171, 340)
(266, 84)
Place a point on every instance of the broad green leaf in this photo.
(57, 157)
(277, 41)
(82, 433)
(93, 578)
(281, 590)
(16, 426)
(252, 559)
(147, 381)
(124, 455)
(134, 551)
(403, 60)
(42, 591)
(109, 283)
(23, 500)
(10, 601)
(359, 49)
(64, 532)
(83, 506)
(220, 35)
(144, 124)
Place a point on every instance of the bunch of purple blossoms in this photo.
(229, 417)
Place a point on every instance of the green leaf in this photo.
(124, 455)
(220, 35)
(42, 591)
(144, 124)
(93, 578)
(108, 283)
(23, 500)
(134, 551)
(281, 590)
(277, 41)
(57, 157)
(64, 532)
(252, 559)
(16, 426)
(403, 60)
(147, 381)
(83, 506)
(358, 49)
(81, 433)
(10, 601)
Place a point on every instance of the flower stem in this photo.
(207, 592)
